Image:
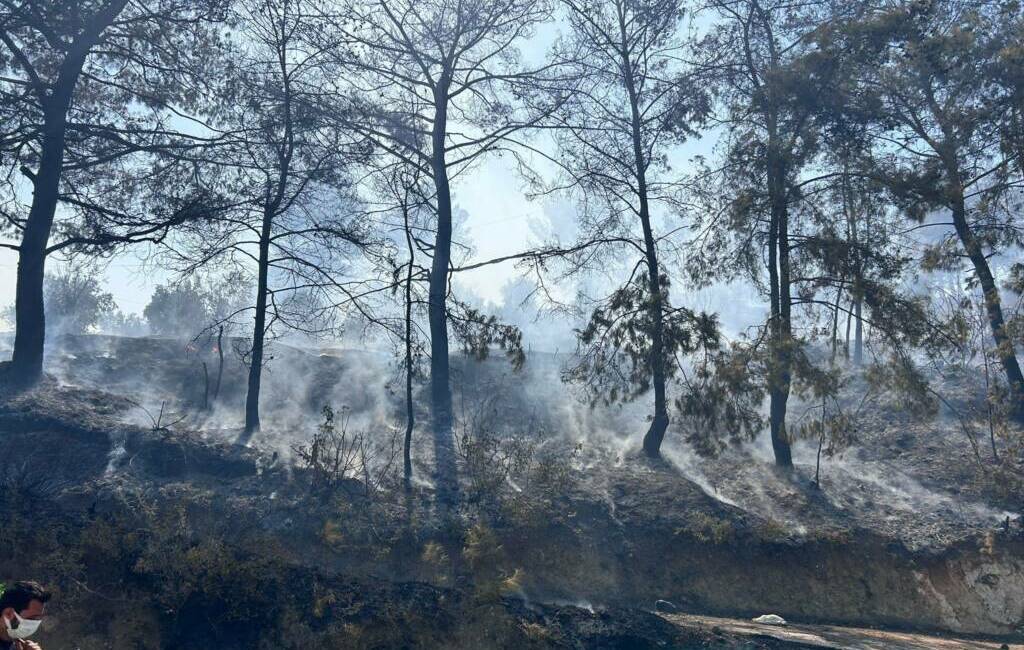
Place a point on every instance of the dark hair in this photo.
(21, 594)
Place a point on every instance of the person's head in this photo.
(21, 608)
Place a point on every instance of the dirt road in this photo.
(830, 636)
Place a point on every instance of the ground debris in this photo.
(831, 636)
(770, 619)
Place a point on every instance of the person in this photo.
(21, 612)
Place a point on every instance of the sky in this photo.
(499, 220)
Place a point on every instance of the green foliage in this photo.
(615, 363)
(479, 333)
(721, 403)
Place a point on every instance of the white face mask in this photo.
(26, 627)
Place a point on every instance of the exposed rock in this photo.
(665, 606)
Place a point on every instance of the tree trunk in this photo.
(30, 319)
(659, 423)
(410, 410)
(821, 443)
(206, 387)
(252, 396)
(782, 333)
(220, 362)
(993, 306)
(273, 199)
(835, 324)
(440, 371)
(858, 332)
(849, 321)
(858, 268)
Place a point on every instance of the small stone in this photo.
(665, 606)
(770, 619)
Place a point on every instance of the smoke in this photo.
(689, 465)
(877, 492)
(855, 493)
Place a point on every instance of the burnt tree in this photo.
(629, 102)
(71, 72)
(436, 86)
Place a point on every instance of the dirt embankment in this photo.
(623, 536)
(874, 546)
(649, 533)
(156, 540)
(834, 637)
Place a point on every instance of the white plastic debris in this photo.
(665, 606)
(770, 619)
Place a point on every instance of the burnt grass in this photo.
(179, 544)
(174, 537)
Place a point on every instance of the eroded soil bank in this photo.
(159, 531)
(162, 538)
(658, 536)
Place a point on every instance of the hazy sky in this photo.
(499, 223)
(498, 220)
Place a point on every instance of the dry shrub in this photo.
(340, 460)
(511, 467)
(708, 529)
(491, 462)
(32, 477)
(513, 478)
(493, 574)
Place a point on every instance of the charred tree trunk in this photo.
(821, 444)
(993, 306)
(220, 362)
(30, 319)
(835, 323)
(781, 300)
(56, 100)
(273, 200)
(858, 332)
(849, 322)
(440, 369)
(252, 395)
(410, 411)
(206, 387)
(659, 423)
(656, 433)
